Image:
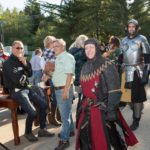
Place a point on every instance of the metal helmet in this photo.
(1, 46)
(134, 22)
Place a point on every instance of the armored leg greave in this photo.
(137, 111)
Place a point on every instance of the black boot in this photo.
(135, 124)
(52, 117)
(137, 111)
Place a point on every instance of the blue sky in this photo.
(20, 4)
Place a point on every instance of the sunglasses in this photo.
(19, 48)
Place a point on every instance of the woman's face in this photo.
(90, 50)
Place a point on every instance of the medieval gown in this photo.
(96, 130)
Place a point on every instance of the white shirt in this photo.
(35, 63)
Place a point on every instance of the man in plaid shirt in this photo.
(49, 56)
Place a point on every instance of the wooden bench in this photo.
(7, 102)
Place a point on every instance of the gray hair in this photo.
(61, 42)
(17, 42)
(48, 39)
(79, 42)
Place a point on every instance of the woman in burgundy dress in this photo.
(100, 125)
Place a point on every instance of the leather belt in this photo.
(59, 87)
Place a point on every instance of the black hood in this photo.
(94, 63)
(96, 43)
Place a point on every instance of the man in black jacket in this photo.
(16, 71)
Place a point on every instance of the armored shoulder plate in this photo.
(144, 44)
(133, 49)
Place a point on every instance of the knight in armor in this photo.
(136, 63)
(98, 115)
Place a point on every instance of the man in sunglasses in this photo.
(16, 71)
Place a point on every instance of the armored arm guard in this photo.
(146, 50)
(146, 53)
(145, 45)
(114, 92)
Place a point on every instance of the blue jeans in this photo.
(65, 109)
(37, 75)
(25, 98)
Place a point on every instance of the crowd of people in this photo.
(95, 70)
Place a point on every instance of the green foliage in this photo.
(33, 10)
(94, 18)
(16, 26)
(44, 29)
(140, 10)
(1, 9)
(97, 18)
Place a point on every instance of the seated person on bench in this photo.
(16, 71)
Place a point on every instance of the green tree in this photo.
(94, 18)
(97, 18)
(16, 26)
(140, 10)
(33, 10)
(45, 29)
(1, 9)
(67, 21)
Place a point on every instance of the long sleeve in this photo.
(111, 78)
(16, 74)
(28, 69)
